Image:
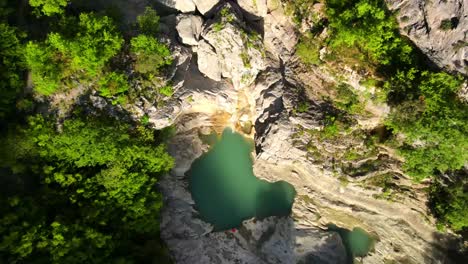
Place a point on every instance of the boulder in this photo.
(205, 5)
(183, 6)
(254, 7)
(239, 49)
(438, 28)
(189, 28)
(208, 62)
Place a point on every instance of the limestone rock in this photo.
(205, 5)
(208, 62)
(239, 49)
(189, 28)
(258, 7)
(183, 6)
(438, 28)
(280, 37)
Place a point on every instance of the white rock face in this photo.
(280, 36)
(254, 7)
(438, 28)
(189, 28)
(205, 5)
(183, 6)
(239, 49)
(208, 62)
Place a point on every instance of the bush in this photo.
(449, 201)
(367, 25)
(82, 51)
(49, 7)
(446, 24)
(308, 51)
(346, 99)
(11, 66)
(148, 22)
(151, 55)
(166, 90)
(113, 84)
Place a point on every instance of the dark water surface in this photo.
(358, 243)
(226, 191)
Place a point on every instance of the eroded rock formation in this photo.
(234, 66)
(438, 28)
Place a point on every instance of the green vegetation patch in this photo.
(83, 50)
(84, 194)
(450, 203)
(308, 49)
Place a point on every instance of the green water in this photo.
(358, 243)
(226, 191)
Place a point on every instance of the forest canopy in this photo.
(80, 189)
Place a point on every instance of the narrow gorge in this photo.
(236, 68)
(234, 131)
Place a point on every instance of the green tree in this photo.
(151, 55)
(449, 201)
(93, 42)
(113, 84)
(435, 124)
(82, 50)
(148, 22)
(46, 68)
(11, 66)
(49, 7)
(367, 24)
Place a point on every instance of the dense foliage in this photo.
(80, 195)
(434, 122)
(151, 55)
(450, 202)
(85, 46)
(79, 190)
(49, 7)
(367, 25)
(11, 66)
(113, 84)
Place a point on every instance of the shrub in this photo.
(368, 25)
(11, 66)
(450, 203)
(83, 51)
(46, 71)
(303, 107)
(166, 90)
(151, 55)
(49, 7)
(446, 24)
(308, 51)
(148, 22)
(113, 84)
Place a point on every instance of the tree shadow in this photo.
(280, 240)
(449, 249)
